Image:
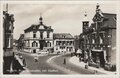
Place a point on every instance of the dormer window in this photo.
(48, 34)
(34, 35)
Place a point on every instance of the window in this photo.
(48, 34)
(93, 41)
(56, 48)
(34, 44)
(28, 43)
(48, 44)
(9, 42)
(63, 43)
(101, 40)
(57, 42)
(41, 35)
(70, 42)
(34, 35)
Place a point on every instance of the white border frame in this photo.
(60, 2)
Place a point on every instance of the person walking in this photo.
(64, 62)
(36, 58)
(24, 62)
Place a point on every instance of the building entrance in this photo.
(42, 44)
(34, 51)
(98, 56)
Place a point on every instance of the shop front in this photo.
(97, 58)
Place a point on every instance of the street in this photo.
(70, 66)
(42, 67)
(71, 43)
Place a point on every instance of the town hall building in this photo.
(38, 37)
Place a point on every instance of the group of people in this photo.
(80, 55)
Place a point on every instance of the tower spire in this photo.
(85, 22)
(41, 19)
(85, 14)
(97, 8)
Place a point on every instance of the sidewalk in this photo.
(53, 64)
(75, 60)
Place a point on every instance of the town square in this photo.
(59, 38)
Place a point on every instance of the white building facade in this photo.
(38, 37)
(63, 43)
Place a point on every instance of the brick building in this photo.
(8, 20)
(99, 39)
(76, 42)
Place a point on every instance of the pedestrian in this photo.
(36, 58)
(79, 59)
(86, 65)
(24, 62)
(95, 71)
(64, 61)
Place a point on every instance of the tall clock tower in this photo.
(85, 23)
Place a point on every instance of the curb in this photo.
(82, 64)
(52, 63)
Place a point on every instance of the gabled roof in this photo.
(35, 27)
(21, 36)
(109, 20)
(62, 36)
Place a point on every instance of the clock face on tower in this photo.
(97, 18)
(85, 23)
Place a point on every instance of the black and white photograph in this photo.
(66, 38)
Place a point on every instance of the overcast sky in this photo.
(63, 18)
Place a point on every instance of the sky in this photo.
(63, 18)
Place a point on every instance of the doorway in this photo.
(34, 51)
(100, 55)
(42, 43)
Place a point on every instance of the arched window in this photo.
(48, 34)
(50, 44)
(34, 35)
(41, 35)
(93, 41)
(34, 44)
